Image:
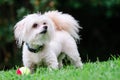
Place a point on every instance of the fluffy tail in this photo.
(65, 22)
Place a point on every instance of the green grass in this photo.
(109, 70)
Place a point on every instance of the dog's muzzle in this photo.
(44, 30)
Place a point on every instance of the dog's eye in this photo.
(44, 23)
(35, 25)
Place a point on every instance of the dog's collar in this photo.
(35, 50)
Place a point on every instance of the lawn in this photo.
(109, 70)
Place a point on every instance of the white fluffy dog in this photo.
(47, 38)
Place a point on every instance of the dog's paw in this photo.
(79, 65)
(53, 67)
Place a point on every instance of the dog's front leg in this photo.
(30, 66)
(51, 61)
(28, 63)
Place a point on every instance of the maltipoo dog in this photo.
(47, 38)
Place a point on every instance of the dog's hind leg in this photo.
(72, 52)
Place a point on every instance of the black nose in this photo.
(45, 27)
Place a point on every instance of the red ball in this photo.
(23, 71)
(18, 72)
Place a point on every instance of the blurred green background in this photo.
(100, 20)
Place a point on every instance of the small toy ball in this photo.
(23, 71)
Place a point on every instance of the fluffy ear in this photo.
(64, 22)
(19, 31)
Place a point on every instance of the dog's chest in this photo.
(32, 57)
(37, 57)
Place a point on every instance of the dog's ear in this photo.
(19, 31)
(64, 22)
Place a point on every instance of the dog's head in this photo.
(35, 29)
(39, 29)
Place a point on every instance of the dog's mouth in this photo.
(44, 31)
